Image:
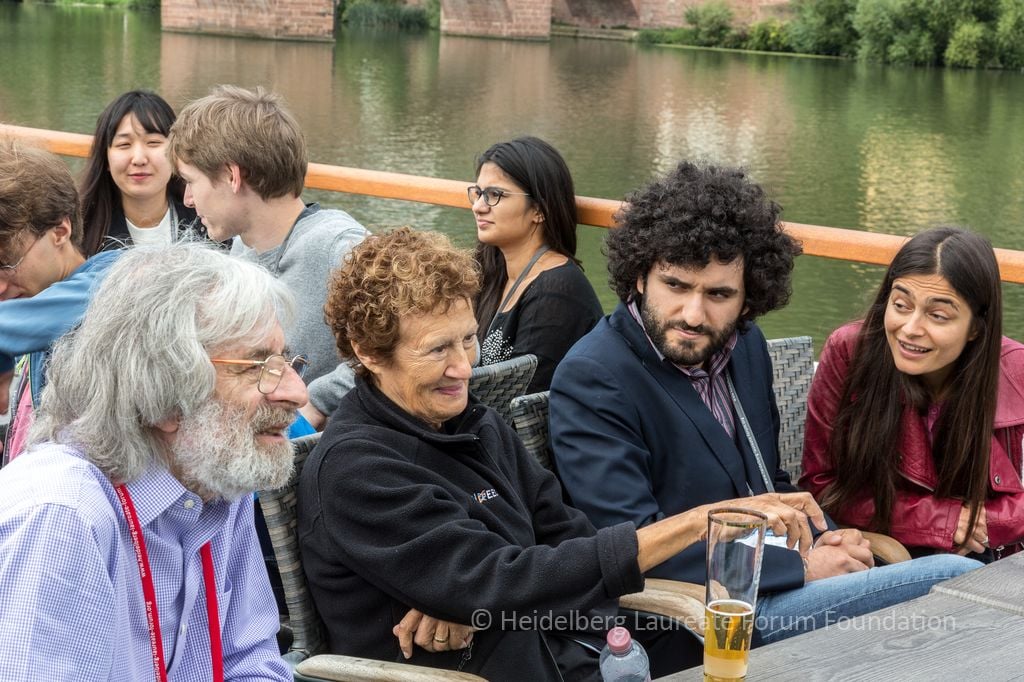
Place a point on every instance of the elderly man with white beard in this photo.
(127, 546)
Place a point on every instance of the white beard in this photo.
(217, 456)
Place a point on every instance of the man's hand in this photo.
(5, 391)
(978, 541)
(838, 552)
(430, 633)
(788, 514)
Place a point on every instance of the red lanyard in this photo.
(149, 595)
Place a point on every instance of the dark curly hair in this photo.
(389, 276)
(698, 212)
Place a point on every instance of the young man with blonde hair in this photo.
(243, 158)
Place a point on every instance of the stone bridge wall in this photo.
(285, 19)
(532, 18)
(497, 18)
(314, 19)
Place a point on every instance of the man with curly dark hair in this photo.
(667, 404)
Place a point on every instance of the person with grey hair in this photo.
(129, 522)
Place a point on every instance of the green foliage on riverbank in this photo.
(712, 25)
(385, 13)
(958, 33)
(130, 4)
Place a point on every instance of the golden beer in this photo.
(728, 625)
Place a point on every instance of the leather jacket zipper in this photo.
(917, 482)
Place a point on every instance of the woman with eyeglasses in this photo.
(129, 192)
(535, 298)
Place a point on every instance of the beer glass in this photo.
(735, 545)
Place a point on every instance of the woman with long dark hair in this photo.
(916, 413)
(535, 297)
(129, 191)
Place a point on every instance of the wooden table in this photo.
(971, 627)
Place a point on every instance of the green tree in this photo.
(914, 46)
(824, 27)
(944, 17)
(875, 22)
(1009, 34)
(770, 35)
(711, 23)
(971, 46)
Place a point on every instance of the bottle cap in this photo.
(619, 640)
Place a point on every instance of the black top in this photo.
(394, 515)
(555, 310)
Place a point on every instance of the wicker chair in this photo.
(495, 385)
(676, 600)
(305, 654)
(792, 371)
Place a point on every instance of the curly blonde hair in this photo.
(391, 275)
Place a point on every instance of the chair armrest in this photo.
(886, 548)
(683, 602)
(352, 669)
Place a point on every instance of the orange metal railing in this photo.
(827, 242)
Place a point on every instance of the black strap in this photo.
(515, 285)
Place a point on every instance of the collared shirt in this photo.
(710, 384)
(72, 605)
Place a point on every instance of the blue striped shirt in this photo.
(72, 605)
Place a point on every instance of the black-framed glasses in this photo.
(6, 269)
(271, 369)
(491, 195)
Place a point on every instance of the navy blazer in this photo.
(634, 442)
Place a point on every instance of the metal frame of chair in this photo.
(309, 634)
(496, 385)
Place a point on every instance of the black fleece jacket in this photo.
(394, 515)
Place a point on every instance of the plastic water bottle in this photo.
(623, 659)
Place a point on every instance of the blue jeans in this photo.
(823, 602)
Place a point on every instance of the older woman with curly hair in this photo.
(421, 516)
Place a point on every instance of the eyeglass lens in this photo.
(491, 195)
(10, 264)
(273, 371)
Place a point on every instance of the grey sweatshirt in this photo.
(304, 261)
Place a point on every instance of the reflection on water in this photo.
(837, 143)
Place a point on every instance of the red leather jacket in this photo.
(919, 518)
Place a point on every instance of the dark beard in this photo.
(685, 353)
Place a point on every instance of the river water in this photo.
(836, 143)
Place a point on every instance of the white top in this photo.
(158, 234)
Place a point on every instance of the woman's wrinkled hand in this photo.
(430, 633)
